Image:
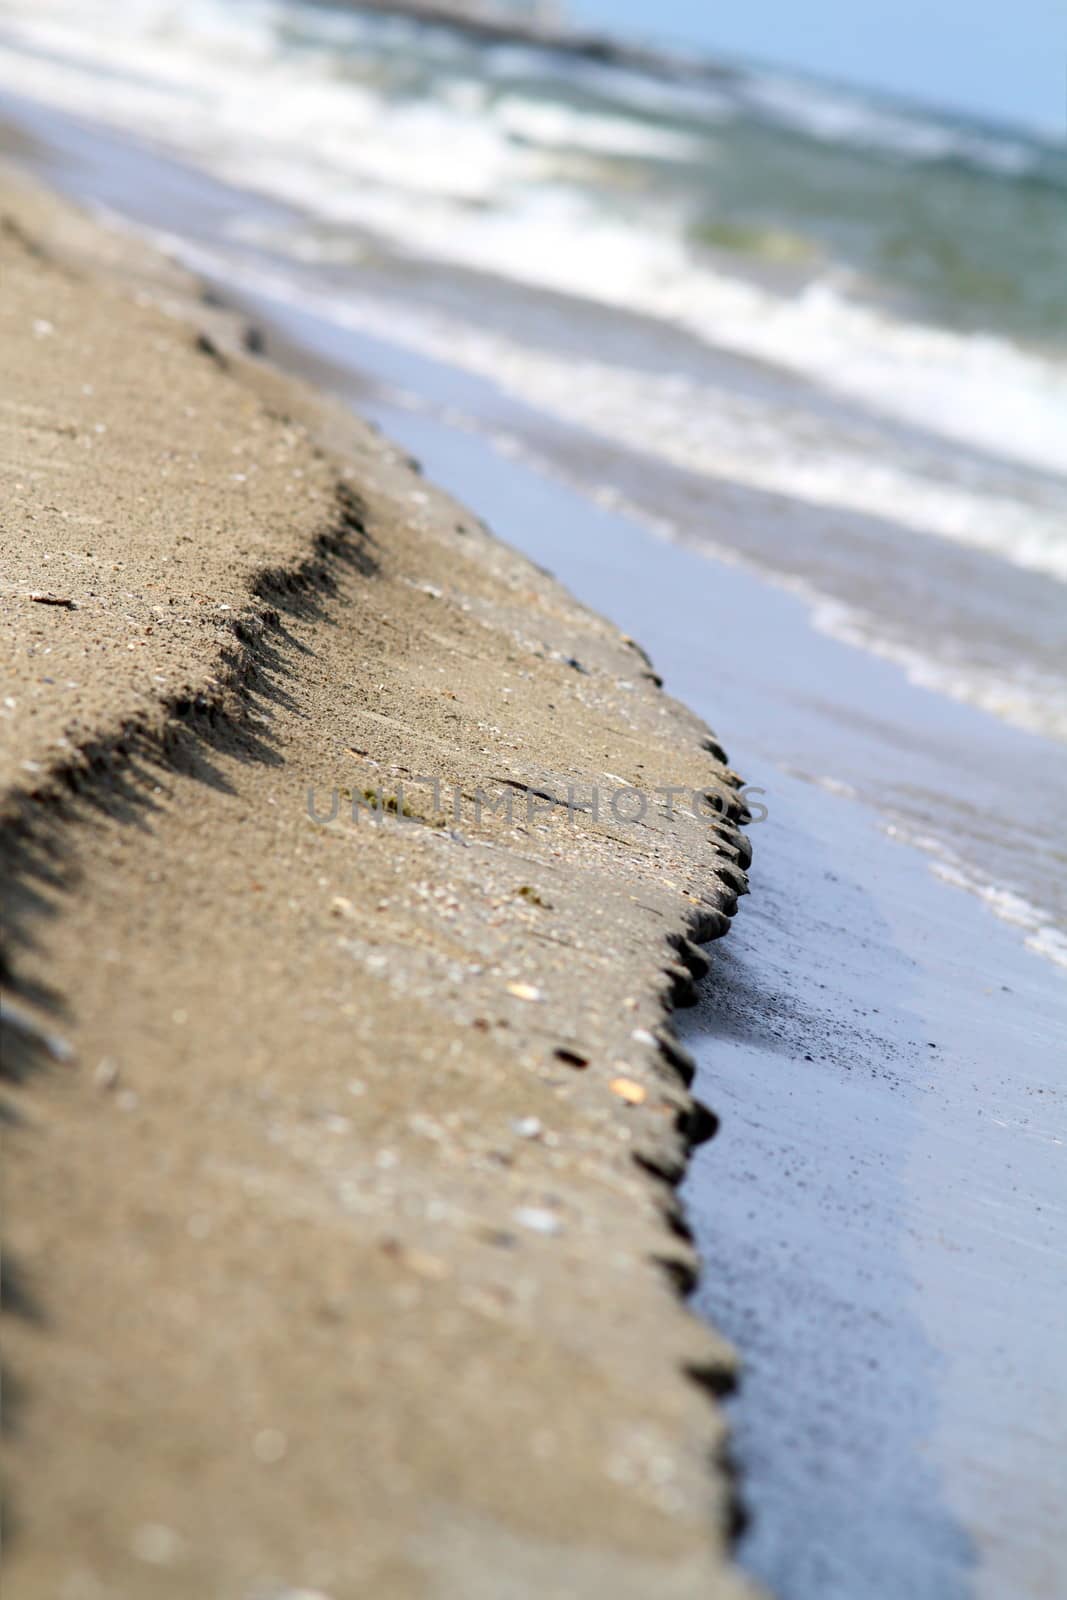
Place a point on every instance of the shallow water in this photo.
(884, 1213)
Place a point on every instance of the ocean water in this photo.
(905, 267)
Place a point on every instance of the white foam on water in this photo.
(713, 430)
(463, 178)
(838, 117)
(562, 127)
(1043, 936)
(1021, 696)
(712, 439)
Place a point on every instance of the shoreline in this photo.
(833, 561)
(882, 1053)
(930, 1158)
(136, 849)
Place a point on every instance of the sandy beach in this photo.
(330, 1141)
(416, 439)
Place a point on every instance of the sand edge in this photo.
(65, 824)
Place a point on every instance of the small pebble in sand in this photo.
(417, 1261)
(106, 1073)
(628, 1090)
(527, 1127)
(537, 1220)
(524, 991)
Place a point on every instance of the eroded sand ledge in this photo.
(338, 1257)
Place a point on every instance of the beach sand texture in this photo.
(342, 1247)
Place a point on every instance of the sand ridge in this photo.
(342, 1245)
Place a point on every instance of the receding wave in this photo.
(673, 199)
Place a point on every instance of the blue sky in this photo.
(1000, 60)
